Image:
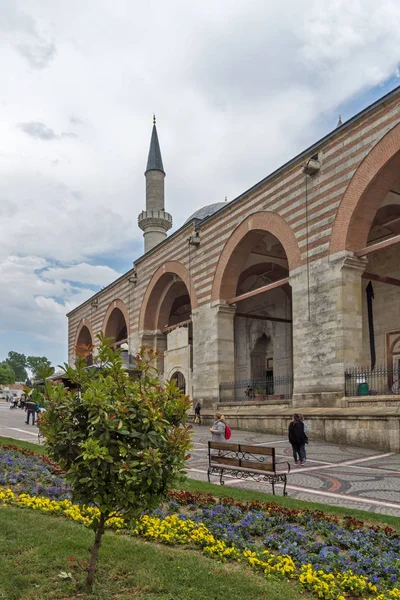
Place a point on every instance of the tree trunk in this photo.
(94, 552)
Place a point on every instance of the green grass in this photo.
(219, 491)
(35, 548)
(193, 485)
(26, 445)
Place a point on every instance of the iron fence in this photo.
(364, 381)
(260, 389)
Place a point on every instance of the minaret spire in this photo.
(154, 221)
(154, 161)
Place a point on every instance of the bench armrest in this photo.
(282, 462)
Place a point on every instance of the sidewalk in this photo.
(347, 476)
(13, 424)
(356, 478)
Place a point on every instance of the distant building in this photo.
(259, 305)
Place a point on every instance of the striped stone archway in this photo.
(238, 246)
(157, 290)
(371, 182)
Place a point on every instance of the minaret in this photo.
(154, 221)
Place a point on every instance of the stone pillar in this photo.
(156, 341)
(327, 328)
(213, 351)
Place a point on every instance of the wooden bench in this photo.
(244, 461)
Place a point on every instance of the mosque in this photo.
(285, 298)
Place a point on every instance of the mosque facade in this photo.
(286, 298)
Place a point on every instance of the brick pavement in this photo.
(334, 474)
(347, 476)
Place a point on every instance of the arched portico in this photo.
(245, 237)
(165, 321)
(367, 190)
(84, 340)
(172, 272)
(249, 321)
(333, 321)
(116, 323)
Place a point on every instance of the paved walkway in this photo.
(12, 424)
(334, 474)
(339, 475)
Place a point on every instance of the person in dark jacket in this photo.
(298, 439)
(30, 409)
(197, 411)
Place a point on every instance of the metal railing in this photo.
(363, 381)
(258, 389)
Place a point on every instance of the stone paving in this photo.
(352, 477)
(334, 474)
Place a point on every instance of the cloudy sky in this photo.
(238, 87)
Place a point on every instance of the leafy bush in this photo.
(122, 441)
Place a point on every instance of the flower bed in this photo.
(25, 471)
(174, 530)
(334, 558)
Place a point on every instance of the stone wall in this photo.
(327, 330)
(177, 357)
(377, 428)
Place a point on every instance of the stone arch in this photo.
(83, 323)
(120, 305)
(366, 191)
(160, 290)
(237, 247)
(83, 339)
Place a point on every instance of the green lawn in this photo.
(35, 548)
(27, 445)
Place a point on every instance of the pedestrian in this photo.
(298, 439)
(197, 411)
(249, 392)
(30, 409)
(218, 428)
(302, 419)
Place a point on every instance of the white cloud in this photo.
(238, 88)
(84, 273)
(36, 296)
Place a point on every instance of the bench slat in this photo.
(225, 460)
(226, 469)
(257, 450)
(256, 466)
(223, 446)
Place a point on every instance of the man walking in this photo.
(30, 409)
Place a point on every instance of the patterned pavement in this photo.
(352, 477)
(334, 474)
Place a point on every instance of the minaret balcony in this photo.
(154, 218)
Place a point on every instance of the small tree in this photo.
(40, 366)
(123, 442)
(7, 375)
(17, 362)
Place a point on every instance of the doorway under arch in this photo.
(180, 380)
